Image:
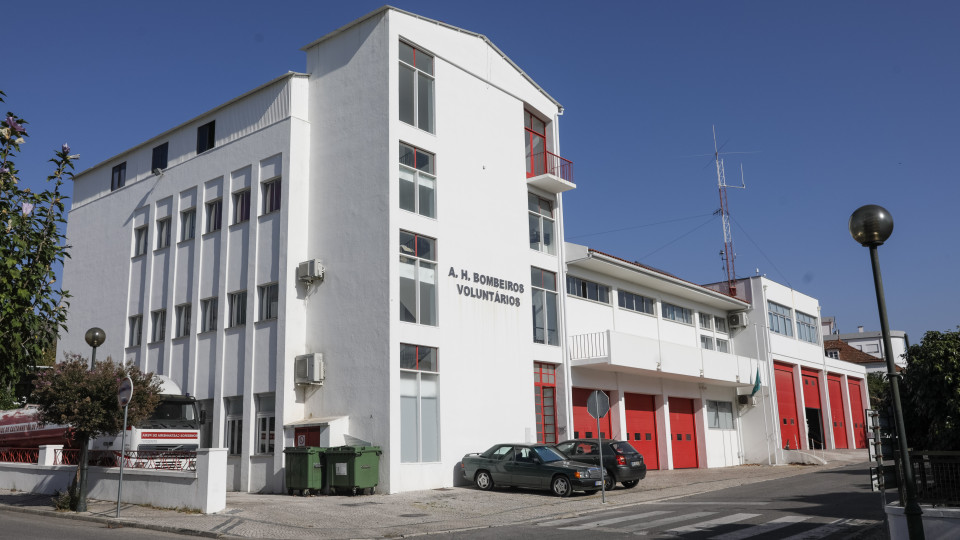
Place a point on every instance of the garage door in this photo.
(641, 419)
(856, 412)
(584, 425)
(787, 407)
(683, 435)
(835, 389)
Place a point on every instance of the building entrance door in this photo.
(835, 390)
(641, 417)
(811, 400)
(856, 413)
(787, 407)
(683, 435)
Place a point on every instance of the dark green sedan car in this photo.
(537, 466)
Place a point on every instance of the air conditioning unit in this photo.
(737, 320)
(308, 369)
(746, 400)
(310, 271)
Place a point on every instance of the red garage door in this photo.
(856, 412)
(641, 419)
(835, 389)
(787, 407)
(683, 435)
(813, 409)
(584, 425)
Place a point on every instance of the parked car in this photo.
(537, 466)
(620, 459)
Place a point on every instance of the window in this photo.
(541, 224)
(238, 308)
(269, 301)
(183, 320)
(721, 323)
(418, 279)
(418, 185)
(706, 320)
(723, 345)
(535, 142)
(233, 430)
(139, 241)
(807, 328)
(871, 348)
(416, 87)
(118, 177)
(159, 160)
(635, 302)
(676, 313)
(208, 314)
(188, 224)
(719, 414)
(419, 406)
(833, 353)
(158, 320)
(136, 331)
(271, 196)
(780, 319)
(588, 289)
(545, 398)
(163, 233)
(206, 137)
(214, 214)
(266, 423)
(706, 342)
(241, 206)
(545, 320)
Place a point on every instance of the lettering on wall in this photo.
(491, 287)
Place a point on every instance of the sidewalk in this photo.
(250, 515)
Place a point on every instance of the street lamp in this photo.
(871, 225)
(95, 337)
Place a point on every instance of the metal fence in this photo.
(155, 459)
(937, 477)
(20, 455)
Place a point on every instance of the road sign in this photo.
(598, 404)
(125, 391)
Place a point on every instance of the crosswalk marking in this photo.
(611, 521)
(567, 521)
(696, 527)
(830, 528)
(763, 528)
(665, 521)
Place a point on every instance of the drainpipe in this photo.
(770, 373)
(562, 285)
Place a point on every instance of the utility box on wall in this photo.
(308, 369)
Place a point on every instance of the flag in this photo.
(756, 385)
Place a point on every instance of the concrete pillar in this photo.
(212, 476)
(48, 454)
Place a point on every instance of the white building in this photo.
(872, 343)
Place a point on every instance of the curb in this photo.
(113, 523)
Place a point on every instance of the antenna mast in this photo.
(728, 254)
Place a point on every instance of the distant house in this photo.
(872, 343)
(840, 350)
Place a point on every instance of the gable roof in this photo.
(849, 353)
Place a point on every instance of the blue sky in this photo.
(833, 104)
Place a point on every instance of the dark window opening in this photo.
(206, 136)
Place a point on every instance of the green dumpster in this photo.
(304, 469)
(353, 469)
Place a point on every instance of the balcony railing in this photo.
(583, 346)
(174, 460)
(550, 163)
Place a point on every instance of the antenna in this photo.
(728, 254)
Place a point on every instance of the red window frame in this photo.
(536, 162)
(545, 386)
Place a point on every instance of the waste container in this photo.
(304, 469)
(353, 469)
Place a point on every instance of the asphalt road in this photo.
(833, 505)
(20, 525)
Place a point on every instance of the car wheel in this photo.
(630, 483)
(609, 481)
(560, 486)
(483, 480)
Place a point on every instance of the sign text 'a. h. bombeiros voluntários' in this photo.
(495, 296)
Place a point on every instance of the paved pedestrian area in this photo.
(250, 515)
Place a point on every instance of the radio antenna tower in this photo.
(728, 254)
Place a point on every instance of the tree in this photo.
(71, 394)
(32, 246)
(930, 392)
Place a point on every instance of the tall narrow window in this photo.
(807, 328)
(269, 301)
(159, 160)
(780, 322)
(238, 308)
(418, 279)
(208, 314)
(183, 320)
(266, 423)
(535, 142)
(158, 325)
(541, 224)
(241, 206)
(233, 429)
(136, 331)
(271, 196)
(419, 406)
(545, 397)
(723, 345)
(416, 87)
(139, 241)
(721, 324)
(418, 185)
(188, 224)
(706, 321)
(545, 318)
(118, 177)
(719, 414)
(214, 215)
(163, 233)
(706, 342)
(206, 137)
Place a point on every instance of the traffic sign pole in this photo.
(124, 394)
(598, 405)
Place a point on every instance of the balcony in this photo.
(628, 353)
(550, 172)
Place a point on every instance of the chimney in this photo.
(860, 329)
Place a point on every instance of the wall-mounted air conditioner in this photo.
(747, 400)
(737, 320)
(310, 271)
(308, 369)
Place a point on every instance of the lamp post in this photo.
(94, 337)
(871, 225)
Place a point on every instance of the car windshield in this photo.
(548, 454)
